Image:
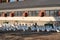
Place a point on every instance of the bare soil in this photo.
(29, 36)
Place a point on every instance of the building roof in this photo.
(30, 4)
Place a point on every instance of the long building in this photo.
(30, 11)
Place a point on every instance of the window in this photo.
(37, 12)
(29, 12)
(51, 12)
(33, 13)
(18, 13)
(0, 13)
(7, 13)
(47, 12)
(56, 13)
(15, 14)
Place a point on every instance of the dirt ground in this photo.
(36, 36)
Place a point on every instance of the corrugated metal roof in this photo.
(30, 4)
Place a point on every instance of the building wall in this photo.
(33, 15)
(29, 23)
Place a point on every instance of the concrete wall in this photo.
(31, 18)
(24, 22)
